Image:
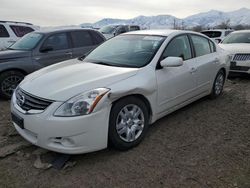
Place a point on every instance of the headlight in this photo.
(82, 104)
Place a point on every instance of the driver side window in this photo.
(57, 42)
(178, 47)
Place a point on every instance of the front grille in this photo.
(29, 102)
(241, 57)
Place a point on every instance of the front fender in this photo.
(24, 65)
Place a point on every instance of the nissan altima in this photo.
(111, 96)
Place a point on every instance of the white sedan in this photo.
(118, 90)
(238, 45)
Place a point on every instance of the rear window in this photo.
(81, 39)
(97, 38)
(3, 32)
(212, 34)
(20, 31)
(134, 28)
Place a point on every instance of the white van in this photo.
(11, 31)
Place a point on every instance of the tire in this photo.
(218, 85)
(9, 80)
(127, 130)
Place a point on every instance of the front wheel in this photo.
(8, 82)
(128, 123)
(218, 84)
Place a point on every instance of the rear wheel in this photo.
(218, 84)
(9, 80)
(128, 123)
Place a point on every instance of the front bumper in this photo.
(71, 135)
(240, 67)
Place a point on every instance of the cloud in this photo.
(65, 12)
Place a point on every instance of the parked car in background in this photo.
(217, 34)
(40, 49)
(238, 45)
(11, 31)
(121, 87)
(114, 30)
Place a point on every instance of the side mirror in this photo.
(46, 49)
(172, 62)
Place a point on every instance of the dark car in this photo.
(110, 31)
(40, 49)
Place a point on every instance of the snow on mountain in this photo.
(208, 19)
(241, 16)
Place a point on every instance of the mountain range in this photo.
(208, 19)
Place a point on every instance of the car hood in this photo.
(62, 81)
(236, 48)
(8, 55)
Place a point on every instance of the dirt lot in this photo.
(206, 144)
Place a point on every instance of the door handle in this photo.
(193, 70)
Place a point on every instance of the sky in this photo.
(74, 12)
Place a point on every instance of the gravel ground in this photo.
(206, 144)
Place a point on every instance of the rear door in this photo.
(82, 42)
(58, 49)
(206, 62)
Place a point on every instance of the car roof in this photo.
(57, 30)
(217, 30)
(15, 22)
(242, 31)
(159, 32)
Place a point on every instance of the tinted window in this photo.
(237, 38)
(212, 34)
(20, 31)
(212, 46)
(108, 29)
(201, 45)
(81, 39)
(122, 29)
(178, 47)
(57, 42)
(3, 32)
(27, 42)
(134, 28)
(97, 37)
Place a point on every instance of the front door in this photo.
(176, 84)
(55, 49)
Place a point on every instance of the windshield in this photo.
(108, 29)
(126, 51)
(212, 34)
(28, 42)
(237, 38)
